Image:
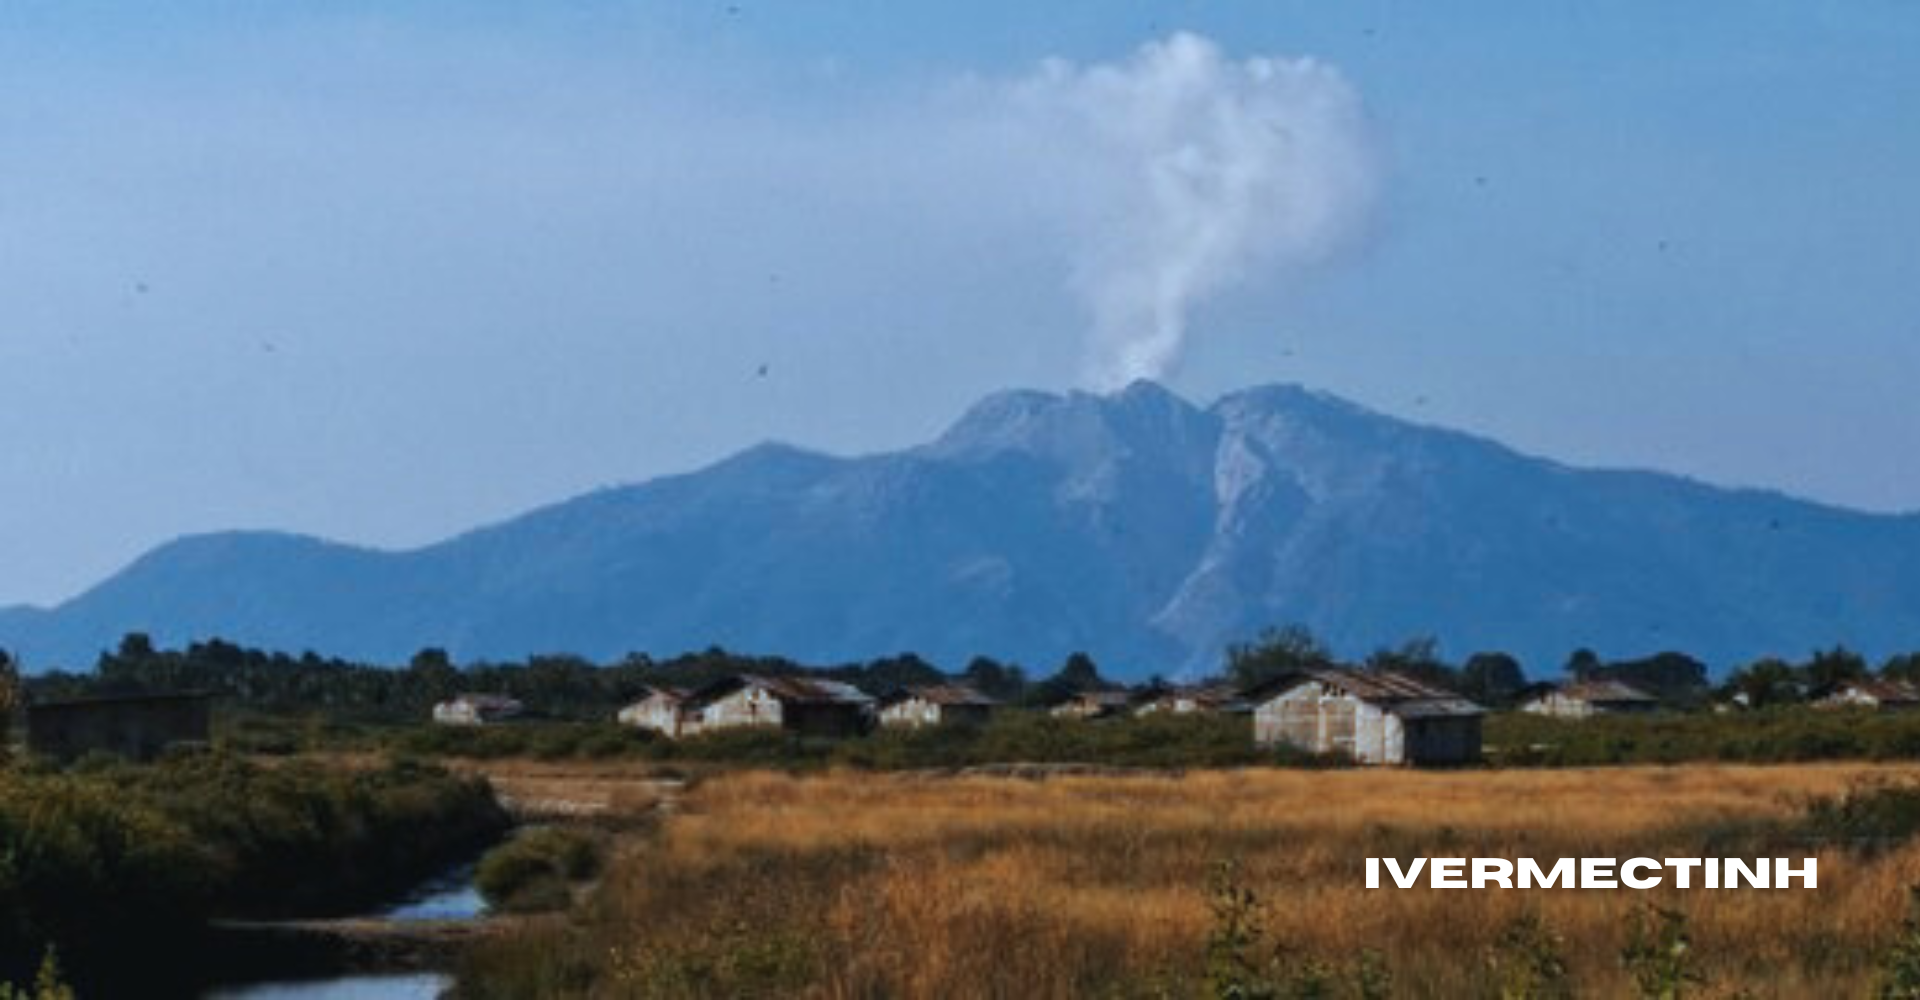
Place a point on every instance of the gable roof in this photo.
(1881, 690)
(1386, 690)
(663, 691)
(938, 694)
(1604, 691)
(789, 690)
(1210, 696)
(484, 700)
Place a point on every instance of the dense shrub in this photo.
(120, 866)
(1871, 815)
(1778, 735)
(534, 870)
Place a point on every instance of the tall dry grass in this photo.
(860, 885)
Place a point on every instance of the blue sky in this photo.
(386, 271)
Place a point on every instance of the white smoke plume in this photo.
(1184, 172)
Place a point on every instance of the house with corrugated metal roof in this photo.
(1580, 699)
(1209, 700)
(1097, 704)
(1375, 718)
(477, 709)
(1876, 693)
(806, 705)
(935, 705)
(669, 711)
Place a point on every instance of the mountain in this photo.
(1135, 526)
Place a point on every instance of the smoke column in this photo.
(1184, 173)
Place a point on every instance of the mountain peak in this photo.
(1133, 525)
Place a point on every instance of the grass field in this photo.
(862, 885)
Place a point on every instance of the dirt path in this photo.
(545, 792)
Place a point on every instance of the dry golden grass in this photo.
(860, 885)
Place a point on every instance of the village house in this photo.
(1099, 704)
(476, 710)
(936, 705)
(1376, 718)
(671, 712)
(1192, 701)
(805, 705)
(1580, 699)
(137, 727)
(1885, 695)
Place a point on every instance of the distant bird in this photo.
(761, 371)
(1479, 182)
(140, 287)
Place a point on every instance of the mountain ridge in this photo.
(1135, 525)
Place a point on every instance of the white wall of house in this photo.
(1318, 719)
(664, 714)
(911, 712)
(1559, 705)
(749, 706)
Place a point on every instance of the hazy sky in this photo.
(386, 271)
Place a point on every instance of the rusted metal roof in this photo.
(1393, 692)
(485, 701)
(1604, 691)
(939, 694)
(1883, 690)
(793, 690)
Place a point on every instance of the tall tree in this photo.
(1831, 668)
(1276, 653)
(1583, 665)
(1765, 682)
(1491, 678)
(11, 697)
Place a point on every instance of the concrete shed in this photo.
(1216, 700)
(935, 705)
(1094, 705)
(476, 709)
(1376, 718)
(1580, 699)
(137, 727)
(806, 705)
(669, 711)
(1885, 695)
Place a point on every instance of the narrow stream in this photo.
(450, 896)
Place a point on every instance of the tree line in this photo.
(572, 686)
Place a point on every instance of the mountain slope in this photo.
(1135, 526)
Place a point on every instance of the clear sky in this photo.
(386, 271)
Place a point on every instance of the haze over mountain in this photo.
(1135, 526)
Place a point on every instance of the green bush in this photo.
(533, 870)
(121, 866)
(1774, 735)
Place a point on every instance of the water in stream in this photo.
(451, 896)
(406, 986)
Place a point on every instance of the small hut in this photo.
(1215, 700)
(1099, 704)
(935, 705)
(1580, 699)
(668, 711)
(1885, 695)
(477, 710)
(137, 727)
(805, 705)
